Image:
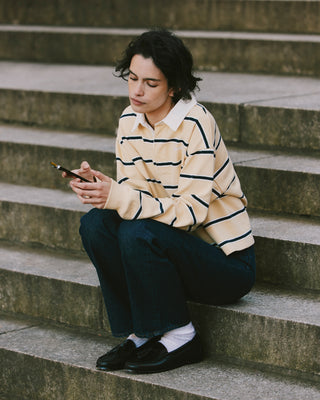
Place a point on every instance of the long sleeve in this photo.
(180, 175)
(157, 184)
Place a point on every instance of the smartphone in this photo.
(70, 173)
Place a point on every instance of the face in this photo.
(148, 89)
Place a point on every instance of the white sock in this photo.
(176, 338)
(138, 341)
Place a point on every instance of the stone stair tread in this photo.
(293, 229)
(43, 345)
(270, 302)
(273, 159)
(211, 34)
(296, 229)
(245, 52)
(41, 197)
(270, 159)
(255, 36)
(54, 138)
(22, 150)
(73, 268)
(59, 78)
(216, 87)
(254, 15)
(53, 324)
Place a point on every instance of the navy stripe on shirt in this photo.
(216, 221)
(235, 239)
(200, 200)
(128, 115)
(221, 168)
(206, 178)
(201, 130)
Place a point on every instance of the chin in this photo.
(138, 109)
(137, 106)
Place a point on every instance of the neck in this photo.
(154, 118)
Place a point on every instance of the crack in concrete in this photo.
(19, 329)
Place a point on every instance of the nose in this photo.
(138, 90)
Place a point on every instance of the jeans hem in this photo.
(150, 334)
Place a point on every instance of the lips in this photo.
(136, 102)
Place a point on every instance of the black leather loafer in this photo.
(125, 351)
(117, 357)
(155, 357)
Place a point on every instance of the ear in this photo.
(171, 92)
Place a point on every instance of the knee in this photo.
(89, 222)
(132, 234)
(94, 223)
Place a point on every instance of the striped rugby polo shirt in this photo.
(180, 174)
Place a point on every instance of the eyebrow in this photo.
(145, 79)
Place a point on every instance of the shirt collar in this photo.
(173, 119)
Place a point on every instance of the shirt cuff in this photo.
(116, 192)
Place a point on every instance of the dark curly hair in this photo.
(169, 54)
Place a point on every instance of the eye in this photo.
(151, 84)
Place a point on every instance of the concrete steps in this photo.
(265, 327)
(294, 16)
(90, 98)
(57, 104)
(295, 54)
(292, 243)
(63, 369)
(22, 151)
(25, 206)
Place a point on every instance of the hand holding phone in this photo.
(97, 192)
(68, 172)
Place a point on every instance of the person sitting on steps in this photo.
(174, 226)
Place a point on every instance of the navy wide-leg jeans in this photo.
(148, 271)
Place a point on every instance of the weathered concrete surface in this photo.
(91, 99)
(26, 152)
(248, 15)
(262, 179)
(216, 51)
(255, 53)
(46, 217)
(64, 368)
(265, 327)
(51, 287)
(287, 251)
(55, 109)
(292, 243)
(271, 327)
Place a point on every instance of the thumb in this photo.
(101, 176)
(85, 166)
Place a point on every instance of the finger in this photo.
(74, 182)
(66, 175)
(79, 191)
(82, 185)
(94, 201)
(85, 164)
(85, 167)
(84, 193)
(101, 176)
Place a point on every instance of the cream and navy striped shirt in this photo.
(180, 174)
